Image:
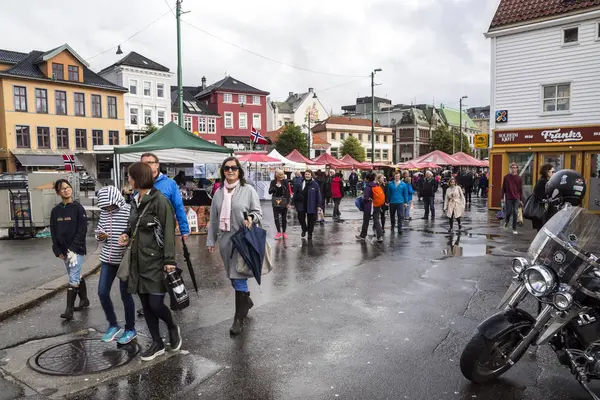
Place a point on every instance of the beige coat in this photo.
(455, 202)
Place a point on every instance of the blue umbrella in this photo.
(250, 244)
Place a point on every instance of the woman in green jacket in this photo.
(152, 254)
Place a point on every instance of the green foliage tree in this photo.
(353, 147)
(292, 138)
(442, 138)
(151, 128)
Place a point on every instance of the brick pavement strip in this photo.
(22, 301)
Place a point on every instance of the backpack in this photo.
(360, 203)
(378, 196)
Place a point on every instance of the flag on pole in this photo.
(69, 161)
(257, 137)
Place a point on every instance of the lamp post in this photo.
(179, 77)
(373, 114)
(309, 134)
(459, 125)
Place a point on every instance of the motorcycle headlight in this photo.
(519, 264)
(539, 280)
(562, 301)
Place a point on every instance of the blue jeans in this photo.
(240, 285)
(75, 271)
(407, 210)
(397, 210)
(107, 276)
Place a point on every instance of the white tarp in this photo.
(178, 156)
(275, 154)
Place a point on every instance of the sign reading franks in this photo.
(567, 135)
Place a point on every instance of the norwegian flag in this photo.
(257, 137)
(69, 160)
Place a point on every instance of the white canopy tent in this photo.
(291, 164)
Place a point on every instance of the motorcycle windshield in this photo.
(567, 239)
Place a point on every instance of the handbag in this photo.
(533, 209)
(280, 201)
(178, 294)
(520, 216)
(125, 264)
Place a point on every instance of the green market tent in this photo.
(173, 144)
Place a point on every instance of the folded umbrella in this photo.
(250, 244)
(186, 256)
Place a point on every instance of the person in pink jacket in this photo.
(337, 192)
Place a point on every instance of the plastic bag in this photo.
(520, 216)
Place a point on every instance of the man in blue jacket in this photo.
(398, 197)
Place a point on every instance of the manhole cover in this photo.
(81, 357)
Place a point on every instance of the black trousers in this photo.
(452, 221)
(307, 221)
(396, 210)
(429, 205)
(336, 207)
(155, 309)
(353, 188)
(468, 193)
(278, 213)
(375, 216)
(382, 217)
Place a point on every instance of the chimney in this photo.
(203, 82)
(310, 90)
(291, 94)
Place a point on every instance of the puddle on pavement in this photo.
(467, 250)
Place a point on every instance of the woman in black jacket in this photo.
(280, 199)
(68, 226)
(539, 192)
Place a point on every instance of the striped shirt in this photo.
(113, 223)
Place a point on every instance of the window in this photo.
(342, 136)
(22, 135)
(570, 35)
(369, 153)
(133, 116)
(96, 106)
(256, 100)
(160, 90)
(62, 138)
(229, 120)
(73, 73)
(112, 107)
(241, 98)
(133, 86)
(378, 154)
(58, 71)
(333, 135)
(161, 118)
(376, 138)
(176, 119)
(256, 121)
(187, 123)
(147, 88)
(212, 141)
(97, 137)
(385, 139)
(147, 117)
(202, 125)
(212, 125)
(41, 101)
(280, 123)
(243, 120)
(557, 97)
(43, 137)
(81, 138)
(113, 138)
(227, 98)
(360, 137)
(386, 155)
(60, 97)
(80, 104)
(20, 95)
(334, 152)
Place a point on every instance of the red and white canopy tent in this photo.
(467, 160)
(437, 157)
(296, 156)
(347, 159)
(331, 162)
(258, 158)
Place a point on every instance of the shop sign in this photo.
(481, 141)
(566, 135)
(501, 116)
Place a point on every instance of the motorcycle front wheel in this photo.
(484, 360)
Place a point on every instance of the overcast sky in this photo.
(428, 49)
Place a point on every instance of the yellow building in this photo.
(52, 104)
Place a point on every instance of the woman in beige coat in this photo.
(454, 203)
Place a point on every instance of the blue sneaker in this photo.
(111, 334)
(127, 337)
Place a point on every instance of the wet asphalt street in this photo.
(336, 319)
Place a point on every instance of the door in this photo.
(591, 176)
(573, 160)
(495, 180)
(556, 159)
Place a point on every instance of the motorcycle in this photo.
(563, 275)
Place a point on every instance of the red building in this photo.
(240, 107)
(197, 118)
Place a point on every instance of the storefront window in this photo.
(556, 159)
(594, 185)
(525, 163)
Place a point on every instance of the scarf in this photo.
(225, 216)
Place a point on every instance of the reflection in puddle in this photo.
(454, 248)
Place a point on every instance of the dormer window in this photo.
(571, 35)
(74, 73)
(58, 71)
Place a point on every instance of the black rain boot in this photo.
(249, 304)
(84, 302)
(71, 297)
(240, 309)
(459, 225)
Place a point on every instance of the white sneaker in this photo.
(515, 233)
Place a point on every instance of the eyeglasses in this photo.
(65, 189)
(231, 168)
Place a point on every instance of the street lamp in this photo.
(459, 125)
(373, 114)
(309, 134)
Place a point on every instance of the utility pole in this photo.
(459, 126)
(373, 114)
(179, 77)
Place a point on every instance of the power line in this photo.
(132, 36)
(342, 84)
(269, 58)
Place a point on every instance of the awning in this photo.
(45, 160)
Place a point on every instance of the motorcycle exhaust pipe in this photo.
(540, 322)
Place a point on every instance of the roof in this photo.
(292, 103)
(296, 156)
(48, 55)
(479, 112)
(190, 104)
(320, 143)
(137, 60)
(172, 136)
(11, 57)
(340, 120)
(28, 67)
(452, 118)
(437, 157)
(513, 12)
(230, 84)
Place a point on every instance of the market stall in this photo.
(260, 169)
(288, 165)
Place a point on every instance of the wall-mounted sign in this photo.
(481, 141)
(501, 116)
(550, 136)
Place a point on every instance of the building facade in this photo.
(412, 134)
(240, 106)
(481, 118)
(335, 130)
(453, 119)
(197, 118)
(297, 109)
(52, 104)
(148, 101)
(545, 92)
(364, 105)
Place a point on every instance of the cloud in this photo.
(428, 49)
